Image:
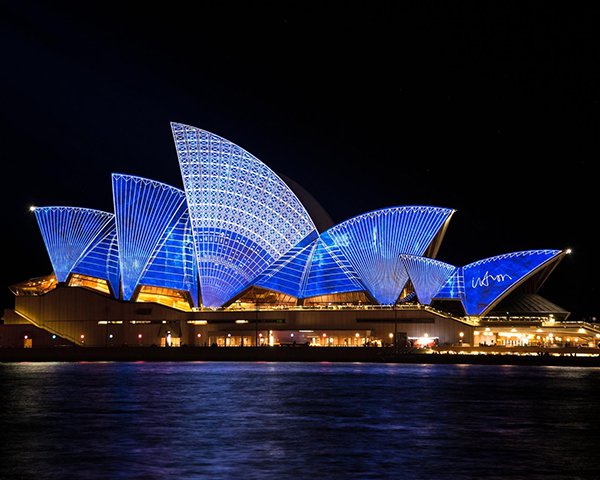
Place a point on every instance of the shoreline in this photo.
(289, 354)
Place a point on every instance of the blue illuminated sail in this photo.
(330, 272)
(102, 260)
(487, 281)
(289, 273)
(453, 288)
(146, 212)
(69, 233)
(427, 275)
(372, 243)
(174, 264)
(244, 217)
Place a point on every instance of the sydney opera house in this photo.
(242, 256)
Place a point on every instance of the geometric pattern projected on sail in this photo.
(373, 241)
(453, 288)
(329, 271)
(69, 232)
(102, 260)
(145, 211)
(174, 263)
(427, 275)
(288, 273)
(488, 279)
(244, 217)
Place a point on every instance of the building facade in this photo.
(236, 259)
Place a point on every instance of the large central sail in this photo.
(244, 217)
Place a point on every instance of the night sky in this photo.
(490, 108)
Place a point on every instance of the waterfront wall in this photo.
(570, 357)
(90, 318)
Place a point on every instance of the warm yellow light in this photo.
(241, 321)
(461, 334)
(391, 335)
(581, 330)
(568, 251)
(32, 208)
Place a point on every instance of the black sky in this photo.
(490, 108)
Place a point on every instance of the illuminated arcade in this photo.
(236, 259)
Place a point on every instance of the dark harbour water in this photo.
(230, 420)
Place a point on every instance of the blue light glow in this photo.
(237, 224)
(289, 273)
(69, 233)
(244, 217)
(488, 280)
(372, 243)
(174, 264)
(427, 275)
(146, 213)
(102, 260)
(454, 288)
(330, 272)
